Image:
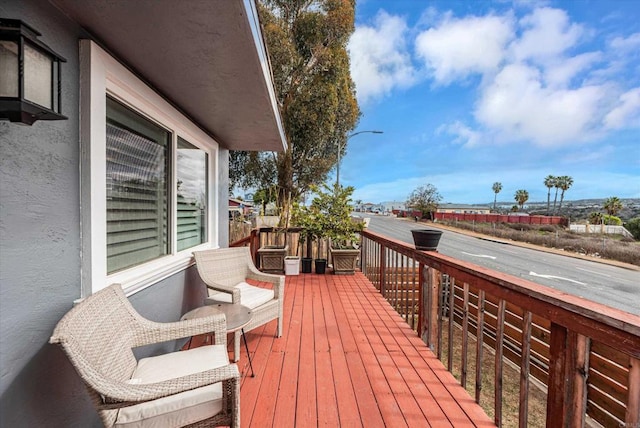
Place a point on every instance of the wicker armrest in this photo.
(254, 273)
(234, 291)
(154, 332)
(121, 394)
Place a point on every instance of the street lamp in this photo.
(340, 150)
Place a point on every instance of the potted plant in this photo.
(308, 219)
(334, 206)
(272, 255)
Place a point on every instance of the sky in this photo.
(473, 92)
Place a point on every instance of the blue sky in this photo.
(473, 92)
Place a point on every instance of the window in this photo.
(191, 195)
(147, 194)
(137, 193)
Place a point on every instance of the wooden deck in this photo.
(346, 358)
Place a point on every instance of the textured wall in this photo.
(40, 250)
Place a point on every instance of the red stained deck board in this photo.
(347, 359)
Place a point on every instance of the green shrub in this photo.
(633, 226)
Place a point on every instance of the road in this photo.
(611, 285)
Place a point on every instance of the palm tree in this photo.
(521, 197)
(497, 187)
(564, 182)
(613, 205)
(549, 182)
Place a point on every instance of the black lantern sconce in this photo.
(29, 75)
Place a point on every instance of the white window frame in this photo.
(102, 75)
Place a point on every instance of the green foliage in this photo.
(521, 196)
(307, 43)
(329, 216)
(263, 197)
(611, 220)
(633, 226)
(613, 205)
(497, 187)
(424, 199)
(595, 218)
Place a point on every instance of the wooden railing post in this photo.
(557, 406)
(578, 366)
(632, 416)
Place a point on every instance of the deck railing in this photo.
(586, 355)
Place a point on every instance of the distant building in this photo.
(463, 209)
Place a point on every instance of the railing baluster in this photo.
(465, 335)
(394, 273)
(479, 345)
(499, 363)
(405, 288)
(414, 298)
(452, 285)
(523, 414)
(440, 309)
(383, 270)
(424, 319)
(632, 417)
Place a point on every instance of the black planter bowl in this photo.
(426, 239)
(321, 266)
(306, 264)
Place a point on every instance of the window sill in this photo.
(141, 277)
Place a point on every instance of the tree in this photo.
(595, 218)
(424, 199)
(307, 42)
(563, 182)
(613, 205)
(497, 187)
(521, 197)
(549, 182)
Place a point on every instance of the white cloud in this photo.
(460, 47)
(547, 34)
(626, 113)
(561, 73)
(519, 107)
(626, 43)
(463, 134)
(380, 61)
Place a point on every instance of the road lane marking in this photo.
(556, 277)
(594, 272)
(479, 255)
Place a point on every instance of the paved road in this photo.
(611, 285)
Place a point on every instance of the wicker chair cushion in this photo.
(180, 409)
(250, 296)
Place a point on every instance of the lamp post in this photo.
(340, 151)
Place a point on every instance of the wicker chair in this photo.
(225, 271)
(195, 388)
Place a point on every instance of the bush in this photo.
(633, 226)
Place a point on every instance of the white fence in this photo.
(600, 228)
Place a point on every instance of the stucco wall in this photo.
(40, 249)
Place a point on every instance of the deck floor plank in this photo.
(347, 359)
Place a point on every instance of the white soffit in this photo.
(205, 56)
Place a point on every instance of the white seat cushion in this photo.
(250, 296)
(179, 409)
